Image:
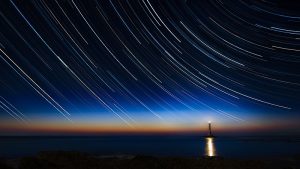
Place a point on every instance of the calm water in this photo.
(241, 147)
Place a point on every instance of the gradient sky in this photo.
(148, 66)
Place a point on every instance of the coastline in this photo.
(81, 160)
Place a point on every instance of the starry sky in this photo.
(71, 66)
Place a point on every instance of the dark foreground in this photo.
(76, 160)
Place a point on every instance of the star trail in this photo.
(148, 64)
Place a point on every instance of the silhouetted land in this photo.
(77, 160)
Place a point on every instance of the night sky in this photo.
(70, 66)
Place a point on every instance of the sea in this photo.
(154, 145)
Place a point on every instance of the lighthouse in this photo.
(210, 150)
(209, 129)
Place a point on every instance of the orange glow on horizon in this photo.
(63, 127)
(93, 128)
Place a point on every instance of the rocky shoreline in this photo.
(78, 160)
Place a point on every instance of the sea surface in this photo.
(183, 146)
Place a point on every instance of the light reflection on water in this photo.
(210, 150)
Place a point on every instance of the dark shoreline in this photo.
(80, 160)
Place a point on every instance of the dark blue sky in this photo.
(149, 64)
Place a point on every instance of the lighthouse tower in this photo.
(209, 129)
